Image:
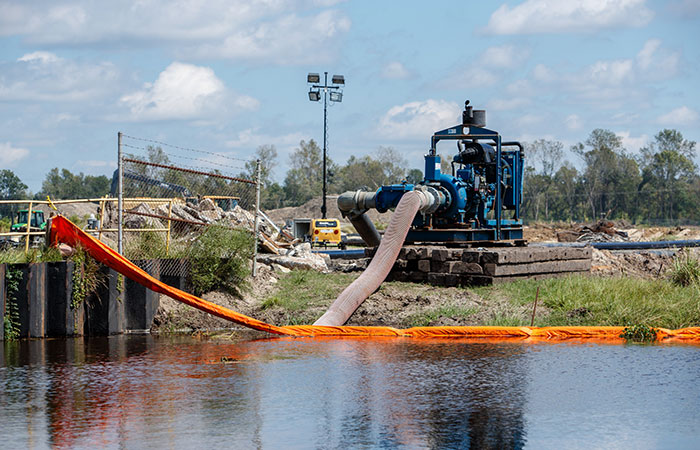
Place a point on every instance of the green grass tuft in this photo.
(685, 270)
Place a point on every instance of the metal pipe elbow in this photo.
(354, 203)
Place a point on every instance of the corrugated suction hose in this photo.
(353, 296)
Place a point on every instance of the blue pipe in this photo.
(360, 253)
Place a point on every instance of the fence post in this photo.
(257, 216)
(102, 215)
(29, 229)
(120, 203)
(167, 237)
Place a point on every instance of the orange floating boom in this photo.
(63, 231)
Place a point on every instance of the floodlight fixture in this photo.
(314, 96)
(332, 92)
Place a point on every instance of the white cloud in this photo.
(44, 77)
(10, 155)
(652, 57)
(573, 122)
(607, 83)
(544, 16)
(419, 119)
(184, 91)
(395, 71)
(506, 56)
(289, 40)
(251, 138)
(500, 58)
(277, 31)
(632, 143)
(43, 57)
(679, 116)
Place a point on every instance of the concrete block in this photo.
(439, 266)
(423, 252)
(436, 279)
(417, 276)
(535, 254)
(398, 276)
(400, 264)
(424, 265)
(471, 256)
(439, 254)
(411, 253)
(464, 267)
(476, 280)
(575, 265)
(451, 280)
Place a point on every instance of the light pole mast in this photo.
(334, 90)
(325, 137)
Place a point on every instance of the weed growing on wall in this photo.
(220, 259)
(13, 276)
(86, 277)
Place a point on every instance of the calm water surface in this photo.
(145, 391)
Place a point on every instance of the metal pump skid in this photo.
(479, 200)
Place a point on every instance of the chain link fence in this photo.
(185, 213)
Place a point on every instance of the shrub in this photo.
(685, 269)
(639, 333)
(221, 259)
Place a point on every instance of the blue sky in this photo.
(227, 76)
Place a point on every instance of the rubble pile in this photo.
(601, 231)
(187, 220)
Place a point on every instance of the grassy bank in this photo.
(300, 297)
(585, 300)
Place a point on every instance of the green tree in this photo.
(667, 172)
(414, 176)
(609, 173)
(11, 188)
(271, 193)
(361, 173)
(304, 178)
(544, 158)
(387, 167)
(64, 184)
(394, 165)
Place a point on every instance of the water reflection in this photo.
(331, 393)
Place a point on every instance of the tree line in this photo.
(660, 184)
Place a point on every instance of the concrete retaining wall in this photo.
(45, 308)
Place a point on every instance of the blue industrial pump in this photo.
(468, 205)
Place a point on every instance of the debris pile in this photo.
(188, 219)
(601, 231)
